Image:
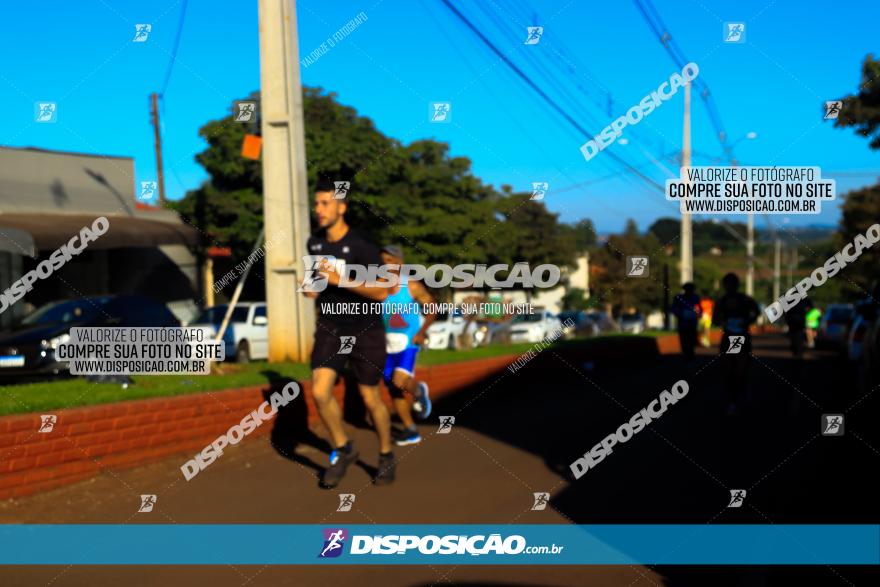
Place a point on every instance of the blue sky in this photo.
(411, 52)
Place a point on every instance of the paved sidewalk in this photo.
(515, 434)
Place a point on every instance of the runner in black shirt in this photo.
(735, 312)
(349, 330)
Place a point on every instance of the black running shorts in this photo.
(365, 354)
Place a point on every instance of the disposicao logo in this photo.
(334, 542)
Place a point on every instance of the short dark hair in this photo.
(730, 281)
(325, 185)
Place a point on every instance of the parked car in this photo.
(492, 332)
(446, 329)
(865, 341)
(632, 323)
(856, 337)
(834, 326)
(246, 337)
(29, 347)
(603, 321)
(583, 324)
(533, 327)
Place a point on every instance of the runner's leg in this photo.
(379, 413)
(323, 381)
(402, 381)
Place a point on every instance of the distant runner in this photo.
(814, 315)
(735, 312)
(796, 320)
(686, 307)
(362, 330)
(404, 333)
(706, 307)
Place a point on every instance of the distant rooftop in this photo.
(42, 181)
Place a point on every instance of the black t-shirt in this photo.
(338, 308)
(735, 313)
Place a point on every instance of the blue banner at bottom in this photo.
(416, 544)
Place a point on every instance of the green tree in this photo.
(612, 285)
(574, 300)
(417, 195)
(582, 233)
(862, 110)
(861, 208)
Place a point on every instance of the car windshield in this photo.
(520, 318)
(573, 316)
(215, 315)
(66, 312)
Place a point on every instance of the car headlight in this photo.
(53, 343)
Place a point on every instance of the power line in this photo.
(174, 48)
(662, 31)
(544, 96)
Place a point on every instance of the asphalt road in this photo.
(516, 434)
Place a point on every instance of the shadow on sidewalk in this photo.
(290, 428)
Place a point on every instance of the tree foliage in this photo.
(610, 282)
(417, 195)
(861, 208)
(862, 110)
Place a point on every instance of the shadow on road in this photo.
(290, 428)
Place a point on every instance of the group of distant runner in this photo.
(735, 312)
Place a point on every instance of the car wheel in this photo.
(243, 352)
(451, 343)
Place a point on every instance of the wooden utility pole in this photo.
(160, 174)
(777, 273)
(750, 254)
(285, 188)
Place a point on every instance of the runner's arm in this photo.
(718, 314)
(371, 291)
(754, 311)
(424, 297)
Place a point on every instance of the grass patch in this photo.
(73, 392)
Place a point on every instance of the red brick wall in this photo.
(86, 440)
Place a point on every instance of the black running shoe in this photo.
(340, 459)
(385, 475)
(403, 437)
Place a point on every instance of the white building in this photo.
(550, 299)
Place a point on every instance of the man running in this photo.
(404, 333)
(735, 312)
(363, 322)
(686, 307)
(812, 320)
(796, 320)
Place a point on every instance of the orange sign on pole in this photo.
(251, 147)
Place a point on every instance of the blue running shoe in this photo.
(422, 401)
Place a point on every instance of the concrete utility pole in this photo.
(777, 272)
(750, 255)
(285, 189)
(160, 172)
(687, 241)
